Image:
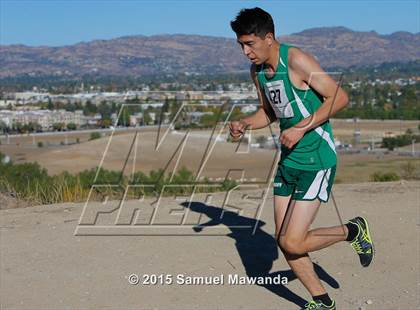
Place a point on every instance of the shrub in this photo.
(385, 177)
(409, 170)
(392, 142)
(71, 126)
(31, 182)
(94, 136)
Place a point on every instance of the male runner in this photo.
(294, 90)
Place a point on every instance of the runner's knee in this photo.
(291, 245)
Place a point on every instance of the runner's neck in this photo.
(270, 66)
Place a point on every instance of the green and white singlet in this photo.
(316, 149)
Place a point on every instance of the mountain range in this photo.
(334, 47)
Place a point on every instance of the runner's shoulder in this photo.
(298, 58)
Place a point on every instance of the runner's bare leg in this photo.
(295, 237)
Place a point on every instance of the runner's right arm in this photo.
(260, 119)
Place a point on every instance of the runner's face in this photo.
(254, 48)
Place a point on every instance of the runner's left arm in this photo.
(335, 98)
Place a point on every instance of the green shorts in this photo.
(304, 184)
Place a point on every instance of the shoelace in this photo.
(311, 305)
(359, 246)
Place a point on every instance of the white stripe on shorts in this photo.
(316, 184)
(323, 192)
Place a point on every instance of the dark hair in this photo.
(253, 21)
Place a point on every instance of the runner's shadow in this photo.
(257, 251)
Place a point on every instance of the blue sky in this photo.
(58, 23)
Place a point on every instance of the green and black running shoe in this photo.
(317, 305)
(363, 244)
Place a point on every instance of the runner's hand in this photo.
(289, 137)
(237, 129)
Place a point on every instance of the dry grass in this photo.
(360, 168)
(88, 154)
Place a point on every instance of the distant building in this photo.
(195, 117)
(389, 134)
(45, 118)
(5, 103)
(30, 97)
(249, 108)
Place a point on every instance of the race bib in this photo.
(277, 97)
